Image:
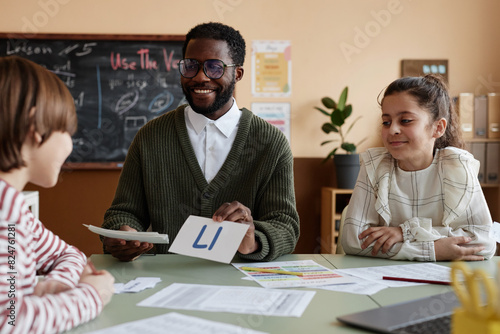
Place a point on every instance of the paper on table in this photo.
(495, 231)
(152, 237)
(361, 287)
(137, 285)
(233, 299)
(174, 323)
(313, 274)
(427, 271)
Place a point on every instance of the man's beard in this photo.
(220, 100)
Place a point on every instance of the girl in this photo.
(418, 198)
(37, 118)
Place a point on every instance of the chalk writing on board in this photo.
(118, 83)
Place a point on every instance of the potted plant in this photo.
(346, 165)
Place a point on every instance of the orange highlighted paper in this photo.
(286, 274)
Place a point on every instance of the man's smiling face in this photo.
(210, 97)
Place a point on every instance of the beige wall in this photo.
(464, 31)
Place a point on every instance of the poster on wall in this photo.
(277, 114)
(271, 69)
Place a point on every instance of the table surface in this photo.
(319, 316)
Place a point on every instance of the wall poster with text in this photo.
(271, 69)
(277, 114)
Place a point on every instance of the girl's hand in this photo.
(49, 286)
(384, 237)
(102, 281)
(456, 248)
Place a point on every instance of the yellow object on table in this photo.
(477, 314)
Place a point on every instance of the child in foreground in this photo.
(37, 119)
(418, 198)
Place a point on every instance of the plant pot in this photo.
(347, 169)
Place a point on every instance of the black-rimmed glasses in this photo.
(213, 68)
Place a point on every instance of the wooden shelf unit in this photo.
(333, 201)
(491, 190)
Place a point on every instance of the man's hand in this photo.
(237, 212)
(384, 237)
(126, 250)
(456, 248)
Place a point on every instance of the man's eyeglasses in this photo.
(213, 68)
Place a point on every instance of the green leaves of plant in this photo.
(348, 147)
(347, 111)
(339, 112)
(323, 111)
(328, 127)
(342, 99)
(329, 103)
(337, 117)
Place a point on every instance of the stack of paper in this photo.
(152, 237)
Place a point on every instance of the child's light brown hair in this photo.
(31, 99)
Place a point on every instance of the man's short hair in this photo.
(220, 32)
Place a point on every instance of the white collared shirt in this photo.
(212, 140)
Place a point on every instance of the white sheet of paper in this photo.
(495, 231)
(174, 323)
(361, 287)
(427, 271)
(153, 237)
(233, 299)
(137, 285)
(202, 237)
(314, 274)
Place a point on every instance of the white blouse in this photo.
(443, 200)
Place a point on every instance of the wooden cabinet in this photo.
(490, 185)
(333, 201)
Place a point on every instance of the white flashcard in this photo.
(202, 237)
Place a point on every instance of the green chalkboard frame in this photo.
(112, 38)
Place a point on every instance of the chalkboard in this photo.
(119, 82)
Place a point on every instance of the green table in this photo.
(319, 317)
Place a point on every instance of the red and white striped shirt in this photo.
(27, 248)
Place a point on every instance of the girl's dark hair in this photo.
(31, 99)
(431, 94)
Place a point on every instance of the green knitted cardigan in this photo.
(161, 183)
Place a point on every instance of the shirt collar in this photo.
(226, 123)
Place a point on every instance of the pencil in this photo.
(273, 271)
(415, 280)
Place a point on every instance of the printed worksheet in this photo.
(361, 287)
(233, 299)
(423, 271)
(306, 273)
(174, 323)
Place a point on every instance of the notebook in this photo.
(396, 318)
